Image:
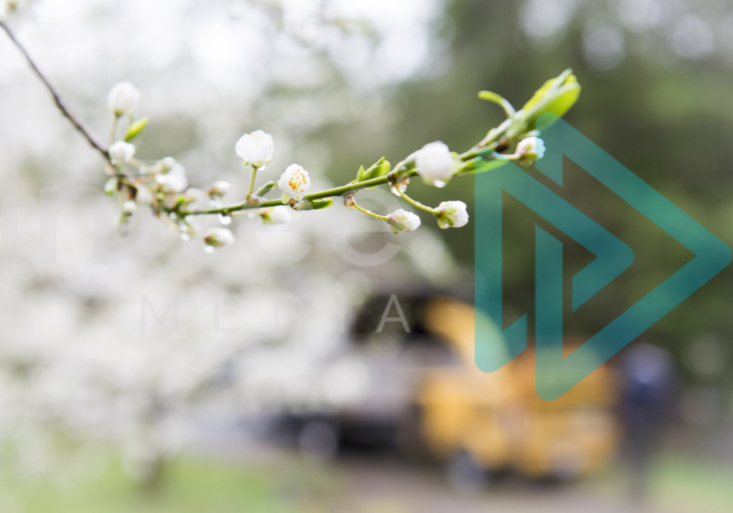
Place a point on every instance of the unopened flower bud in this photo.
(128, 207)
(255, 149)
(111, 185)
(218, 237)
(122, 98)
(276, 215)
(531, 148)
(402, 221)
(121, 152)
(452, 214)
(435, 164)
(295, 181)
(218, 189)
(168, 163)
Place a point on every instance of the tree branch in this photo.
(56, 96)
(338, 191)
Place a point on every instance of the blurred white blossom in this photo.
(123, 98)
(121, 152)
(218, 237)
(276, 215)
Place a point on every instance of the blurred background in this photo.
(326, 365)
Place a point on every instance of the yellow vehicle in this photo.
(423, 393)
(498, 421)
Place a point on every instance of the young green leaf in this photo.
(135, 129)
(379, 168)
(265, 189)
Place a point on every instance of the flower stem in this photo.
(113, 131)
(416, 203)
(252, 183)
(369, 213)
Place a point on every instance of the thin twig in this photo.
(487, 148)
(56, 96)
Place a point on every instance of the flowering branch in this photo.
(163, 185)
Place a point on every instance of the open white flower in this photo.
(435, 163)
(531, 148)
(452, 214)
(122, 98)
(255, 149)
(218, 237)
(174, 180)
(121, 152)
(276, 215)
(402, 221)
(294, 182)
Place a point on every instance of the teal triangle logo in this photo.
(557, 374)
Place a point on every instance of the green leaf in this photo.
(556, 96)
(314, 204)
(360, 174)
(135, 129)
(319, 204)
(379, 168)
(265, 189)
(499, 100)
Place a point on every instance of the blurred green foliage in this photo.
(669, 124)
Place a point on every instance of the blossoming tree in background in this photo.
(143, 387)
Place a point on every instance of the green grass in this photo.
(703, 485)
(678, 482)
(191, 485)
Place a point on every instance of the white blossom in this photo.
(294, 182)
(121, 152)
(218, 237)
(144, 196)
(168, 163)
(192, 194)
(255, 149)
(452, 214)
(402, 221)
(435, 163)
(531, 148)
(276, 215)
(174, 181)
(219, 189)
(128, 207)
(122, 98)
